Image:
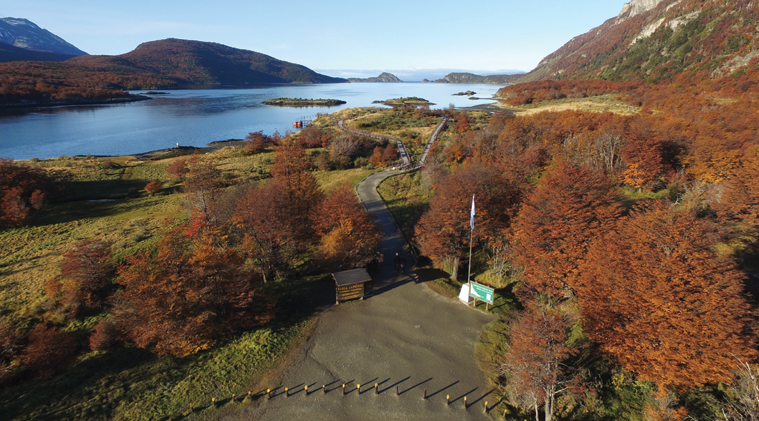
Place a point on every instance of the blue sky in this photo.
(412, 38)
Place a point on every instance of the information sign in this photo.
(481, 292)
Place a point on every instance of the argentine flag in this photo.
(471, 217)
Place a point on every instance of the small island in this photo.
(466, 93)
(300, 102)
(397, 102)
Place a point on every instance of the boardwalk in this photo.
(405, 158)
(405, 338)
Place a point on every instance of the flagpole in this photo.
(471, 233)
(469, 273)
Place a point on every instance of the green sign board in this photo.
(481, 292)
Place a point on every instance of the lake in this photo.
(197, 117)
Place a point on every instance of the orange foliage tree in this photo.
(191, 291)
(349, 238)
(534, 364)
(657, 297)
(570, 206)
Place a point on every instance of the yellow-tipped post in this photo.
(287, 393)
(447, 399)
(358, 387)
(465, 407)
(306, 389)
(376, 388)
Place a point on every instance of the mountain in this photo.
(383, 77)
(24, 34)
(472, 78)
(170, 63)
(658, 40)
(11, 53)
(200, 63)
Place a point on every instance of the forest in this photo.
(629, 243)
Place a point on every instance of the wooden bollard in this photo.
(324, 389)
(358, 387)
(376, 388)
(425, 394)
(465, 407)
(213, 402)
(268, 393)
(306, 389)
(287, 393)
(397, 393)
(343, 389)
(192, 409)
(447, 400)
(486, 407)
(233, 397)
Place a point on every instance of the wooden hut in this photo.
(351, 284)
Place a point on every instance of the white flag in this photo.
(471, 217)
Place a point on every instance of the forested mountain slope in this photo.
(658, 40)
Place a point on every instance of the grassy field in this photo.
(127, 383)
(600, 104)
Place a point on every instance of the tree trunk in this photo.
(537, 417)
(455, 270)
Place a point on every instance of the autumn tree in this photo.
(23, 191)
(153, 187)
(349, 237)
(377, 160)
(534, 364)
(49, 351)
(178, 169)
(202, 185)
(443, 231)
(738, 205)
(256, 142)
(269, 232)
(11, 344)
(189, 292)
(291, 171)
(342, 149)
(570, 206)
(658, 299)
(86, 273)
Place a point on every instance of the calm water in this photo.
(196, 117)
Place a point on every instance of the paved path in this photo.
(405, 335)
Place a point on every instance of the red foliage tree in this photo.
(190, 292)
(443, 231)
(49, 351)
(256, 142)
(659, 299)
(104, 335)
(86, 272)
(570, 206)
(153, 187)
(23, 191)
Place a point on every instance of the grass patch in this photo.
(133, 384)
(406, 199)
(330, 180)
(600, 104)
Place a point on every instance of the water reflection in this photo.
(195, 117)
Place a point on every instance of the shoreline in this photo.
(72, 102)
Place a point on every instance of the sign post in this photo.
(481, 292)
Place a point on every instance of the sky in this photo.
(410, 38)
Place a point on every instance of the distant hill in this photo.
(24, 34)
(383, 77)
(201, 63)
(658, 40)
(472, 78)
(11, 53)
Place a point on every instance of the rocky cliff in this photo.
(660, 40)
